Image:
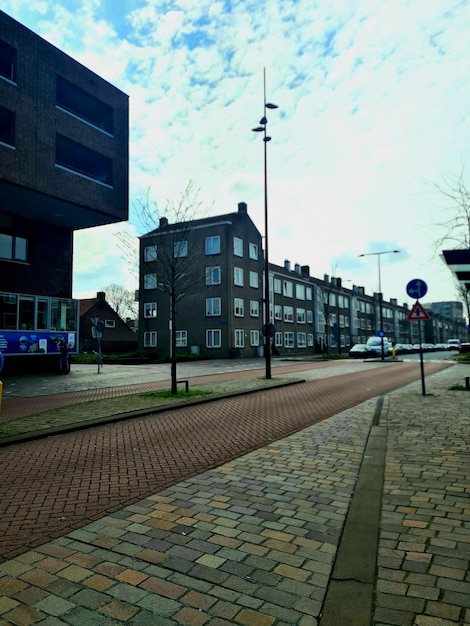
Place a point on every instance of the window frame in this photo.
(239, 307)
(237, 247)
(213, 275)
(150, 253)
(213, 333)
(212, 245)
(239, 338)
(253, 251)
(153, 308)
(212, 304)
(150, 339)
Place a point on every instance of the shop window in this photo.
(8, 311)
(83, 105)
(81, 160)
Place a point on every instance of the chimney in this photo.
(297, 268)
(163, 222)
(305, 270)
(287, 265)
(242, 207)
(101, 296)
(326, 278)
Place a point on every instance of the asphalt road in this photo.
(52, 486)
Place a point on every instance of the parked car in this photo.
(403, 348)
(453, 344)
(361, 351)
(375, 343)
(440, 346)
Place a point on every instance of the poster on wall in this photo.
(21, 342)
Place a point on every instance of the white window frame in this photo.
(253, 251)
(300, 291)
(239, 337)
(289, 314)
(180, 249)
(181, 338)
(150, 281)
(288, 339)
(310, 340)
(238, 276)
(309, 316)
(278, 312)
(213, 338)
(278, 339)
(254, 279)
(300, 316)
(254, 308)
(213, 307)
(277, 285)
(110, 323)
(288, 289)
(150, 339)
(308, 293)
(238, 246)
(239, 307)
(212, 245)
(301, 340)
(254, 338)
(150, 310)
(213, 275)
(150, 254)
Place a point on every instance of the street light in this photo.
(378, 255)
(268, 328)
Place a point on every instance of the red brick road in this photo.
(51, 486)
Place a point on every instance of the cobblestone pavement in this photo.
(255, 540)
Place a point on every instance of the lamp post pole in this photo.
(267, 318)
(378, 255)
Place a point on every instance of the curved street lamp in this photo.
(267, 318)
(378, 255)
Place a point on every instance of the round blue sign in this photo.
(416, 288)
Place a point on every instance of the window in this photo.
(237, 246)
(181, 338)
(239, 307)
(300, 292)
(150, 253)
(213, 245)
(278, 340)
(7, 127)
(239, 338)
(238, 276)
(63, 314)
(309, 317)
(289, 340)
(213, 276)
(8, 311)
(301, 340)
(288, 313)
(41, 315)
(150, 309)
(7, 62)
(254, 282)
(212, 307)
(332, 299)
(150, 339)
(180, 249)
(277, 285)
(13, 248)
(277, 312)
(309, 340)
(254, 308)
(26, 313)
(288, 289)
(81, 160)
(254, 337)
(150, 281)
(253, 251)
(341, 321)
(213, 338)
(300, 316)
(308, 293)
(110, 323)
(83, 105)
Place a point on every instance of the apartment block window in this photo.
(321, 322)
(213, 276)
(288, 313)
(254, 308)
(150, 281)
(288, 289)
(238, 276)
(180, 249)
(309, 317)
(301, 340)
(300, 292)
(332, 299)
(277, 285)
(213, 338)
(253, 251)
(150, 309)
(7, 61)
(278, 340)
(13, 248)
(300, 315)
(150, 254)
(181, 338)
(150, 339)
(7, 127)
(239, 338)
(277, 312)
(254, 281)
(341, 321)
(309, 340)
(289, 340)
(83, 105)
(81, 160)
(237, 246)
(213, 245)
(213, 306)
(254, 337)
(308, 293)
(239, 307)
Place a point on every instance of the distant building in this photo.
(117, 335)
(63, 167)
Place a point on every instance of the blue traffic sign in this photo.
(380, 333)
(416, 288)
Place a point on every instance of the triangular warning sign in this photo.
(418, 313)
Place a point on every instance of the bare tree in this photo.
(122, 300)
(171, 232)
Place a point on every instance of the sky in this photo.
(373, 116)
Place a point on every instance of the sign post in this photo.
(417, 288)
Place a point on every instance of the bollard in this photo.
(467, 382)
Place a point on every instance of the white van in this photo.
(375, 344)
(453, 344)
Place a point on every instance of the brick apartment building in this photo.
(63, 167)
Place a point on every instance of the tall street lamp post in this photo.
(378, 255)
(268, 327)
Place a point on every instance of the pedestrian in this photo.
(64, 366)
